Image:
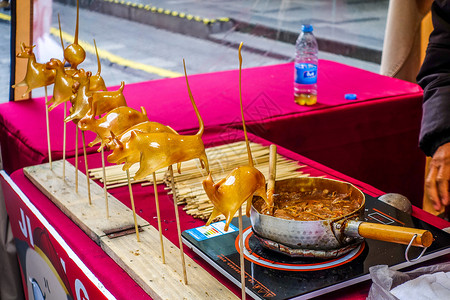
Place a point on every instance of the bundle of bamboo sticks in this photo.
(222, 160)
(116, 177)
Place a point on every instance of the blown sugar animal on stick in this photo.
(159, 150)
(239, 186)
(37, 75)
(144, 127)
(228, 194)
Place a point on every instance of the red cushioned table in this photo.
(100, 277)
(373, 138)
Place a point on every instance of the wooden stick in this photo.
(64, 142)
(272, 175)
(155, 187)
(132, 207)
(48, 130)
(178, 224)
(86, 165)
(76, 158)
(241, 255)
(104, 184)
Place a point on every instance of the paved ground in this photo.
(147, 39)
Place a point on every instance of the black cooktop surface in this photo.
(272, 275)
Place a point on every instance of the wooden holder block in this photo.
(141, 260)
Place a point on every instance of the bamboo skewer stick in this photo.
(250, 162)
(155, 187)
(48, 130)
(136, 227)
(241, 255)
(76, 159)
(104, 184)
(272, 175)
(86, 165)
(178, 224)
(64, 142)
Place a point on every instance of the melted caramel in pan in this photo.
(312, 205)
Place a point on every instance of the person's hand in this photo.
(437, 180)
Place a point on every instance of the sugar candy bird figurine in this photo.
(228, 194)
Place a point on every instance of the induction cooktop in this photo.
(273, 275)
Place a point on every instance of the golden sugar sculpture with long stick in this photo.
(239, 186)
(228, 194)
(162, 149)
(145, 127)
(80, 106)
(37, 75)
(158, 150)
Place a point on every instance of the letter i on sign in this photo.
(25, 227)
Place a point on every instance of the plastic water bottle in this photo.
(306, 57)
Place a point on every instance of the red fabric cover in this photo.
(112, 276)
(267, 94)
(375, 141)
(373, 138)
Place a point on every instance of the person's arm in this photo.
(434, 78)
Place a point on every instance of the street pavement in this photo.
(146, 40)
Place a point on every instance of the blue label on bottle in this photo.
(305, 73)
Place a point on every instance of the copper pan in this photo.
(334, 233)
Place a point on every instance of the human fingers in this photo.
(431, 188)
(442, 178)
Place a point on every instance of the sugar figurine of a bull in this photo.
(159, 150)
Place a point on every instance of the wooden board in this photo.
(90, 218)
(141, 260)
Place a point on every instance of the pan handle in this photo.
(389, 233)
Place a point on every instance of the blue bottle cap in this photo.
(307, 28)
(350, 96)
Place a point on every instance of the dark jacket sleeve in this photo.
(434, 78)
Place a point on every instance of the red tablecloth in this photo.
(113, 277)
(373, 138)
